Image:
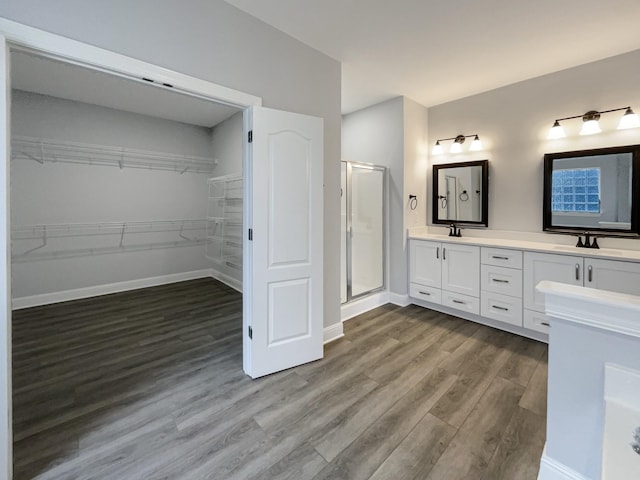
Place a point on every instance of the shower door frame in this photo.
(349, 229)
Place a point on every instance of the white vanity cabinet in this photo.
(445, 273)
(495, 283)
(501, 282)
(611, 275)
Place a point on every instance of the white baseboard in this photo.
(333, 332)
(356, 307)
(399, 299)
(227, 280)
(551, 469)
(86, 292)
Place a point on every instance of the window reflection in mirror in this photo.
(460, 193)
(590, 190)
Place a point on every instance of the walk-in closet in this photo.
(126, 221)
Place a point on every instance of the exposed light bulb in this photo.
(437, 149)
(590, 125)
(629, 120)
(476, 145)
(556, 131)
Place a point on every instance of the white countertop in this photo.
(604, 253)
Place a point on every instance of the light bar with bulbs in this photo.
(590, 122)
(456, 146)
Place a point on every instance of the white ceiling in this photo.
(434, 51)
(37, 74)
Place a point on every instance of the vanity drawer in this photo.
(507, 281)
(536, 321)
(501, 257)
(429, 294)
(502, 308)
(461, 302)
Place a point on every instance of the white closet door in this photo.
(283, 311)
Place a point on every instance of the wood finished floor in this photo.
(149, 385)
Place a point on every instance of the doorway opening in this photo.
(113, 188)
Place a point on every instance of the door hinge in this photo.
(250, 332)
(250, 136)
(251, 234)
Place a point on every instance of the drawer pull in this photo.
(500, 308)
(438, 252)
(423, 293)
(546, 324)
(497, 280)
(458, 301)
(497, 257)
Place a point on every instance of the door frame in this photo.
(349, 229)
(16, 36)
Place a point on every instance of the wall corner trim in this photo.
(399, 299)
(332, 332)
(551, 469)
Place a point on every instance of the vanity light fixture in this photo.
(456, 146)
(590, 122)
(476, 144)
(629, 120)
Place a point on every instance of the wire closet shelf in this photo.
(44, 150)
(57, 241)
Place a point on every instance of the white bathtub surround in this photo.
(592, 332)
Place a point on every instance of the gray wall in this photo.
(227, 138)
(216, 42)
(393, 134)
(375, 135)
(55, 193)
(513, 123)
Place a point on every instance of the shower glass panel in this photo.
(363, 220)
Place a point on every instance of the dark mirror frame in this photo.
(635, 190)
(484, 194)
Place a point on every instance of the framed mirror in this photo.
(593, 190)
(460, 193)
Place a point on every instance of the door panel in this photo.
(461, 269)
(546, 266)
(611, 275)
(426, 267)
(289, 189)
(367, 229)
(283, 305)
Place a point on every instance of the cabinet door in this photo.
(461, 269)
(621, 277)
(547, 266)
(424, 263)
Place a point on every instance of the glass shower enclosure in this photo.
(363, 190)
